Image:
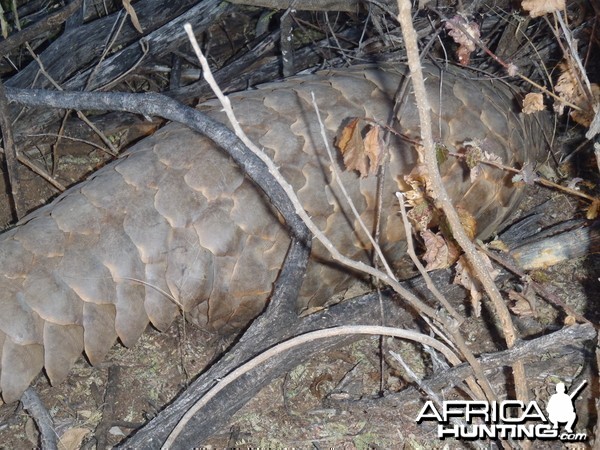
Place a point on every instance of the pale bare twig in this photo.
(38, 170)
(475, 259)
(300, 340)
(434, 290)
(107, 47)
(537, 179)
(74, 139)
(338, 181)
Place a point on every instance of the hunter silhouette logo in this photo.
(560, 407)
(508, 419)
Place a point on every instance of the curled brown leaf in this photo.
(439, 253)
(363, 154)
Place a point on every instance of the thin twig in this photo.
(506, 66)
(145, 49)
(300, 340)
(108, 45)
(582, 75)
(74, 139)
(537, 179)
(81, 116)
(338, 181)
(430, 159)
(39, 171)
(150, 104)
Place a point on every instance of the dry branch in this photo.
(306, 5)
(441, 195)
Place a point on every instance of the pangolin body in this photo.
(174, 225)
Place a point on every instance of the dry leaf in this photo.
(465, 39)
(512, 69)
(538, 8)
(491, 157)
(475, 154)
(572, 184)
(466, 278)
(526, 175)
(585, 117)
(72, 438)
(351, 146)
(522, 305)
(569, 88)
(521, 308)
(415, 192)
(421, 214)
(348, 134)
(134, 18)
(439, 254)
(374, 148)
(566, 86)
(533, 102)
(361, 154)
(592, 211)
(316, 387)
(569, 321)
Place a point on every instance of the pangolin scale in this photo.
(174, 225)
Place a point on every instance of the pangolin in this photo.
(174, 225)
